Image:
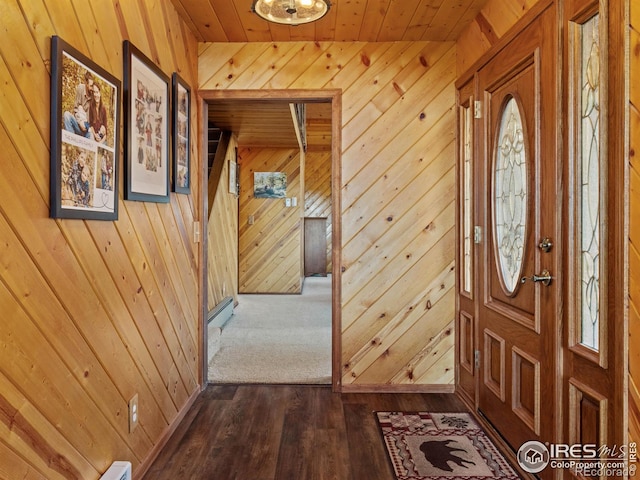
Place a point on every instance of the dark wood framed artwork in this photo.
(84, 155)
(181, 100)
(181, 95)
(146, 128)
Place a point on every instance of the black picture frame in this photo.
(84, 136)
(181, 100)
(146, 128)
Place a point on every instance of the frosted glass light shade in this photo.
(291, 12)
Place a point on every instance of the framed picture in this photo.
(85, 102)
(269, 184)
(234, 186)
(233, 169)
(146, 128)
(181, 94)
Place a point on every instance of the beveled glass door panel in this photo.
(510, 187)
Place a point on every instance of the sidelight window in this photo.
(588, 180)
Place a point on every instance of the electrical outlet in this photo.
(134, 415)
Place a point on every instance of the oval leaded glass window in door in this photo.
(510, 195)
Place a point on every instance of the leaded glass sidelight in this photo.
(510, 195)
(588, 182)
(466, 128)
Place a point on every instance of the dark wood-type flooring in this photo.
(292, 432)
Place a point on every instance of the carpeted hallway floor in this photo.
(278, 339)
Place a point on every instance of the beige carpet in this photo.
(281, 339)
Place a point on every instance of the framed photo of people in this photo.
(146, 128)
(85, 102)
(181, 95)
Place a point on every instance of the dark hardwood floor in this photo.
(292, 432)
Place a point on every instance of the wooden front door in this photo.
(519, 322)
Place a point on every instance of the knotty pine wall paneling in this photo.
(269, 245)
(92, 312)
(222, 258)
(317, 191)
(494, 20)
(634, 224)
(398, 194)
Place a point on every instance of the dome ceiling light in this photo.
(291, 12)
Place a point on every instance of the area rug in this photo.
(440, 446)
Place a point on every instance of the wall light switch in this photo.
(251, 220)
(294, 201)
(287, 202)
(133, 413)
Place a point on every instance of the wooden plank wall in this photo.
(634, 226)
(398, 196)
(493, 21)
(317, 195)
(269, 250)
(93, 312)
(222, 258)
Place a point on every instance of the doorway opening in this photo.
(283, 280)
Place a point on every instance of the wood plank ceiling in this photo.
(270, 124)
(347, 21)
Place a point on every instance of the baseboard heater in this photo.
(221, 313)
(118, 471)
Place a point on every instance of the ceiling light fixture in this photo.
(291, 12)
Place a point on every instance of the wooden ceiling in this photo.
(270, 124)
(347, 21)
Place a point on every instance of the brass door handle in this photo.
(544, 278)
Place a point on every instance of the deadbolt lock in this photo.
(545, 245)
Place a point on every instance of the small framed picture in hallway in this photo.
(269, 184)
(181, 128)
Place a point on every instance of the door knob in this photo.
(544, 278)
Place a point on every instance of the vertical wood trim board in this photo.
(93, 311)
(634, 224)
(397, 157)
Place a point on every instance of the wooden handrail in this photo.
(217, 167)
